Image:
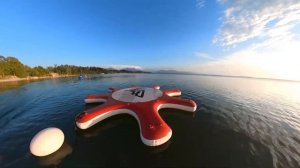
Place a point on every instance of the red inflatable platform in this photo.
(143, 103)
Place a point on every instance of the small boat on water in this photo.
(80, 77)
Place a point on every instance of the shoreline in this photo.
(14, 79)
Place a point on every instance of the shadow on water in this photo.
(116, 142)
(55, 158)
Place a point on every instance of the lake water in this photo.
(239, 122)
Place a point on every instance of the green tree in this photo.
(12, 66)
(15, 67)
(2, 66)
(38, 71)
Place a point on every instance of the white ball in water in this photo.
(46, 141)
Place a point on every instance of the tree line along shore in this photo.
(12, 69)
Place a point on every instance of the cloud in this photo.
(204, 56)
(119, 67)
(200, 3)
(268, 26)
(240, 63)
(247, 19)
(280, 60)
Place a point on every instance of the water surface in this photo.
(239, 122)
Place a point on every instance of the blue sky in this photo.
(105, 32)
(206, 36)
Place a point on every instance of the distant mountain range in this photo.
(139, 70)
(129, 70)
(132, 70)
(172, 72)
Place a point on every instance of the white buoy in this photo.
(47, 141)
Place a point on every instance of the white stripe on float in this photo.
(177, 106)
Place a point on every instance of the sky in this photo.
(224, 37)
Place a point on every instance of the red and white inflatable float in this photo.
(143, 103)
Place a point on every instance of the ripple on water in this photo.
(238, 123)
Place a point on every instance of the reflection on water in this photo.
(110, 124)
(56, 157)
(11, 85)
(239, 123)
(105, 125)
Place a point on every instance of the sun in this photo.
(283, 62)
